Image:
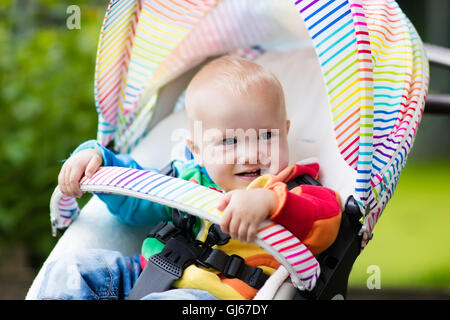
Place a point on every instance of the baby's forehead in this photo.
(230, 78)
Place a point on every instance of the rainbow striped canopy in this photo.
(372, 60)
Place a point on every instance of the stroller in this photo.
(355, 77)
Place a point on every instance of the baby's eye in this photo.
(266, 135)
(229, 141)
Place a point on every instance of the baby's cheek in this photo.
(280, 159)
(221, 175)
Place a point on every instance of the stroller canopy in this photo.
(372, 61)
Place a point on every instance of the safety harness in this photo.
(182, 249)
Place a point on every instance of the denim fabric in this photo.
(181, 294)
(97, 274)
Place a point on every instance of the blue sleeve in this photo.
(130, 210)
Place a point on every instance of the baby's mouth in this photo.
(249, 174)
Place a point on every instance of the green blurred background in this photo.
(47, 109)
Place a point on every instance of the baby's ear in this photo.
(288, 125)
(194, 150)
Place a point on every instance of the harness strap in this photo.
(233, 266)
(164, 268)
(179, 252)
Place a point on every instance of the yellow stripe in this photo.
(191, 196)
(376, 193)
(390, 59)
(193, 203)
(124, 84)
(107, 47)
(114, 58)
(162, 48)
(387, 47)
(352, 94)
(156, 37)
(103, 56)
(357, 100)
(392, 53)
(155, 53)
(166, 24)
(206, 203)
(117, 28)
(120, 100)
(343, 91)
(162, 31)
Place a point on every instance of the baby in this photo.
(242, 150)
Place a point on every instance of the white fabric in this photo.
(272, 285)
(311, 135)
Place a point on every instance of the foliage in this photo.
(410, 244)
(46, 98)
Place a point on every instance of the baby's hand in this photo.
(84, 162)
(244, 210)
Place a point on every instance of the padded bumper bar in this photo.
(194, 199)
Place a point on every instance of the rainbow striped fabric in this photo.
(376, 74)
(373, 63)
(197, 200)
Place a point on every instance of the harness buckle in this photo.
(164, 231)
(233, 266)
(202, 257)
(257, 279)
(216, 236)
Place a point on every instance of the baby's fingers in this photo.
(92, 166)
(234, 227)
(251, 233)
(74, 181)
(62, 180)
(224, 201)
(225, 221)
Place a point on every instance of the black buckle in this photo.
(184, 222)
(216, 236)
(164, 231)
(203, 256)
(257, 279)
(178, 253)
(234, 266)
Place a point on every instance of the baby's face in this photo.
(239, 138)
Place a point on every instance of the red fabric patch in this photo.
(309, 169)
(143, 261)
(298, 215)
(325, 199)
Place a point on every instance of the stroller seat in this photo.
(361, 145)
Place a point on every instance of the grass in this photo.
(411, 240)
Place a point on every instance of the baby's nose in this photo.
(248, 153)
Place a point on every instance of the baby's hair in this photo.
(238, 75)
